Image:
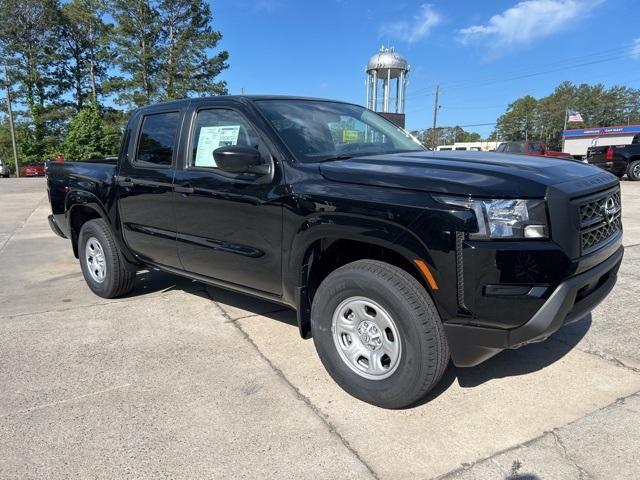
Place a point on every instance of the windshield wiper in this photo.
(337, 157)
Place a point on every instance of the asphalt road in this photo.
(181, 380)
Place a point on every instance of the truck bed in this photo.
(92, 179)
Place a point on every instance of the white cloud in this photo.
(418, 27)
(635, 49)
(526, 22)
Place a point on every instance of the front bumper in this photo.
(572, 300)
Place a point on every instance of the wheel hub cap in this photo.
(370, 335)
(366, 337)
(95, 260)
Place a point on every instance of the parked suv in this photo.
(395, 258)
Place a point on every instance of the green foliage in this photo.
(86, 137)
(445, 136)
(186, 37)
(168, 46)
(84, 49)
(64, 55)
(543, 119)
(137, 37)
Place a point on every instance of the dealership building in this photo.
(576, 142)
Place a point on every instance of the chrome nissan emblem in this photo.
(609, 210)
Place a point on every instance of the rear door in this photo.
(145, 186)
(229, 225)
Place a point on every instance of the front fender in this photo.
(374, 231)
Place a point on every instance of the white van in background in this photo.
(441, 148)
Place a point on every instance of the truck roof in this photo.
(186, 101)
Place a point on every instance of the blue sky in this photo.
(484, 54)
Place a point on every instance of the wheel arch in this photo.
(316, 255)
(81, 207)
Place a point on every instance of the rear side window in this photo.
(158, 138)
(535, 147)
(515, 148)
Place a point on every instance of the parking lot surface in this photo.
(182, 380)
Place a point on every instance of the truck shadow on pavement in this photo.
(510, 363)
(525, 360)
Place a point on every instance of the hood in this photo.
(484, 174)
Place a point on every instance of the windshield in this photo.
(316, 130)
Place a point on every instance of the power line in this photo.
(499, 77)
(464, 106)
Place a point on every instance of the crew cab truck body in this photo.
(395, 258)
(618, 159)
(534, 148)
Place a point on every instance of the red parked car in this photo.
(534, 148)
(33, 170)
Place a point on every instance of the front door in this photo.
(145, 187)
(229, 225)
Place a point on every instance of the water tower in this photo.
(387, 70)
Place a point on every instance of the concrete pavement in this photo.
(181, 380)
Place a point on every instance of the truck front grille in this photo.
(600, 219)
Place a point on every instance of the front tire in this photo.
(633, 172)
(101, 261)
(378, 334)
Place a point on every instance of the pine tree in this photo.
(186, 38)
(137, 39)
(28, 44)
(84, 49)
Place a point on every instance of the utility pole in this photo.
(436, 106)
(566, 117)
(13, 133)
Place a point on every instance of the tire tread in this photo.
(123, 280)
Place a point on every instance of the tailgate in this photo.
(596, 154)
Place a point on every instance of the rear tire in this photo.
(378, 334)
(101, 261)
(633, 172)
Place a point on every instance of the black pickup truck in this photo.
(395, 258)
(618, 159)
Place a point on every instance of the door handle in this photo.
(185, 189)
(125, 182)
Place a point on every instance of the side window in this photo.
(219, 128)
(502, 147)
(535, 147)
(158, 138)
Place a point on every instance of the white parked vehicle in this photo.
(440, 148)
(4, 169)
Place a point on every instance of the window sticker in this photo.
(212, 138)
(350, 136)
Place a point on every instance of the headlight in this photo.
(504, 218)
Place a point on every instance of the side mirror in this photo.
(236, 159)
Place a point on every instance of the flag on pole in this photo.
(573, 116)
